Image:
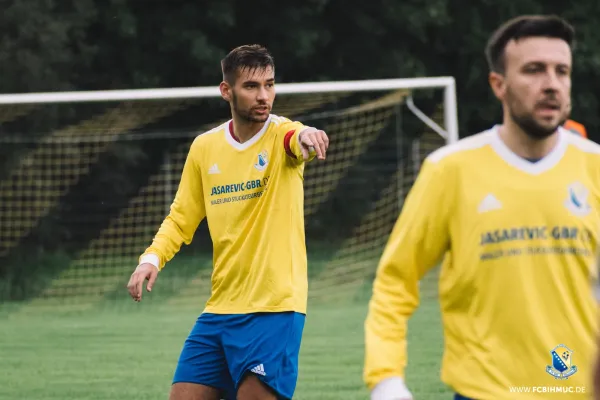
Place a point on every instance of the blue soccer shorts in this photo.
(221, 349)
(458, 396)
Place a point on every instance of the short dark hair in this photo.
(252, 57)
(521, 27)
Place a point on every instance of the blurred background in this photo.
(85, 185)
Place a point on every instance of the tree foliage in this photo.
(50, 45)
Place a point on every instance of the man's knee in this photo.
(252, 388)
(193, 391)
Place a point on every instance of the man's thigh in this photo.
(202, 368)
(267, 346)
(194, 391)
(252, 388)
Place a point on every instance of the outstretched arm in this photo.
(418, 241)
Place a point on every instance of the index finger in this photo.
(316, 144)
(322, 140)
(132, 284)
(321, 148)
(139, 286)
(325, 139)
(135, 285)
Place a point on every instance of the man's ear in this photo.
(225, 91)
(498, 84)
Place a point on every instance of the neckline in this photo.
(234, 141)
(522, 164)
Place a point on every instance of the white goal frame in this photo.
(448, 132)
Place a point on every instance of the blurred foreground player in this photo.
(246, 178)
(515, 212)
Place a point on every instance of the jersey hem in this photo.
(219, 310)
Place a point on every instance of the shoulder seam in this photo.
(582, 144)
(216, 129)
(277, 119)
(469, 143)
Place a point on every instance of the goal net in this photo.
(86, 179)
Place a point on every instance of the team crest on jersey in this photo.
(577, 200)
(263, 161)
(562, 362)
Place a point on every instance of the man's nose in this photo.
(551, 82)
(262, 94)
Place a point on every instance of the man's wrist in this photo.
(150, 259)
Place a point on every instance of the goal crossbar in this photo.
(450, 132)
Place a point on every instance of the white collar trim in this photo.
(243, 146)
(543, 165)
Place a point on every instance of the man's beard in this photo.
(534, 129)
(530, 126)
(246, 115)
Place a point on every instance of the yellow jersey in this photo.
(517, 241)
(252, 197)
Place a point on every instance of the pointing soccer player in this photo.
(513, 213)
(246, 178)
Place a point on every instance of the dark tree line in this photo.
(50, 45)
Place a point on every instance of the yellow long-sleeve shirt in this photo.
(518, 241)
(252, 196)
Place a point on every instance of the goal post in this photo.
(450, 132)
(87, 177)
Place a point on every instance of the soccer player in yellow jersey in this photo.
(513, 213)
(246, 178)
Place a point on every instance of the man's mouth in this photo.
(548, 105)
(548, 109)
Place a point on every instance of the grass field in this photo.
(124, 350)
